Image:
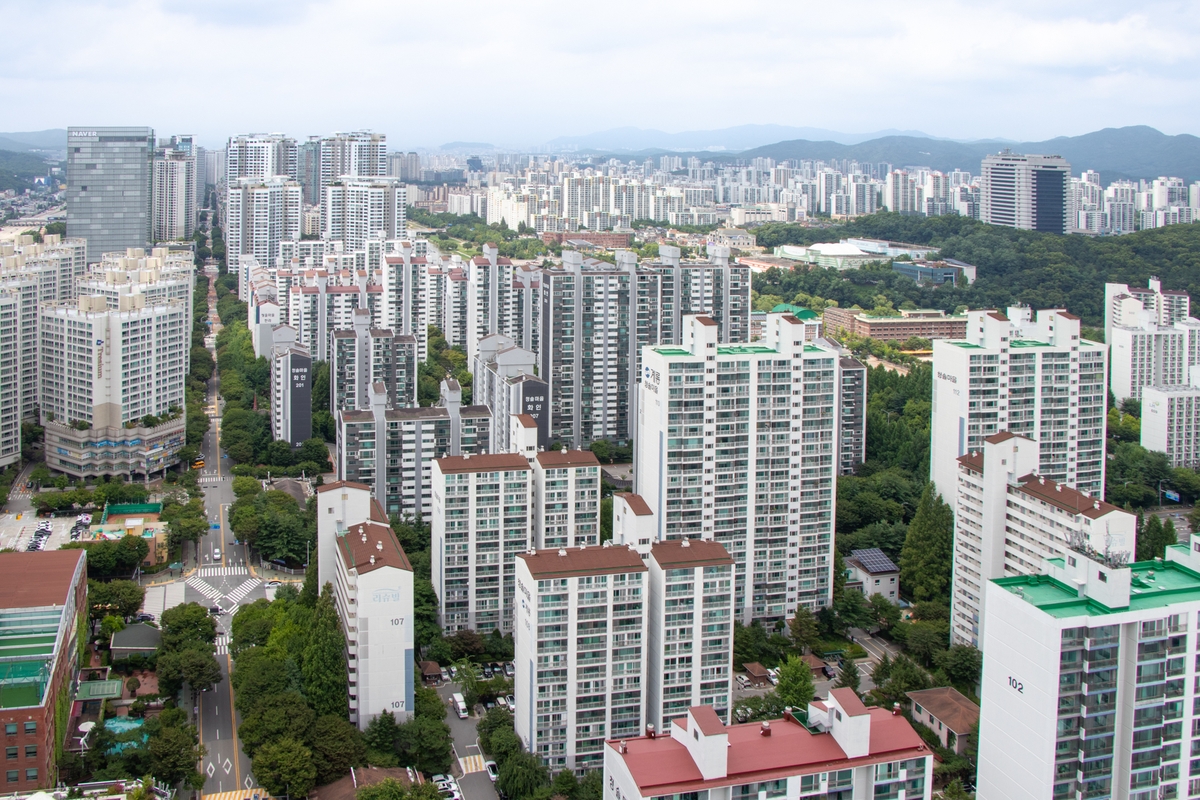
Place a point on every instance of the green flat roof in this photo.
(20, 695)
(744, 350)
(1028, 343)
(800, 312)
(99, 690)
(962, 344)
(672, 351)
(1172, 583)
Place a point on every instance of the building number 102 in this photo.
(1016, 684)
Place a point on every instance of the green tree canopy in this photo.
(925, 561)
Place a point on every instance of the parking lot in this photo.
(18, 533)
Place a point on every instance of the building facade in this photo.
(1027, 192)
(481, 521)
(291, 394)
(109, 187)
(174, 196)
(364, 356)
(923, 324)
(579, 637)
(739, 444)
(1010, 519)
(852, 414)
(503, 378)
(1110, 646)
(259, 214)
(1153, 338)
(1037, 379)
(1171, 421)
(566, 498)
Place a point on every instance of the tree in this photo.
(926, 639)
(110, 625)
(1149, 539)
(380, 740)
(285, 767)
(275, 717)
(853, 611)
(903, 677)
(955, 791)
(324, 664)
(564, 785)
(961, 663)
(194, 665)
(187, 623)
(496, 719)
(429, 704)
(521, 775)
(245, 486)
(887, 613)
(120, 598)
(882, 670)
(132, 685)
(795, 683)
(424, 744)
(173, 754)
(336, 747)
(591, 786)
(803, 629)
(850, 677)
(925, 561)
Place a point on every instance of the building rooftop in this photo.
(637, 503)
(662, 765)
(488, 462)
(137, 637)
(951, 707)
(37, 579)
(799, 312)
(1153, 584)
(874, 561)
(688, 552)
(575, 561)
(744, 350)
(367, 546)
(552, 459)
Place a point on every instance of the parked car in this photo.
(445, 675)
(829, 673)
(512, 703)
(439, 778)
(492, 770)
(509, 669)
(487, 672)
(144, 617)
(453, 672)
(502, 702)
(274, 583)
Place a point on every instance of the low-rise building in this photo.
(872, 572)
(43, 616)
(956, 273)
(840, 748)
(946, 712)
(922, 323)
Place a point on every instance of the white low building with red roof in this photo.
(845, 751)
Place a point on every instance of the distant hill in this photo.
(17, 170)
(54, 139)
(1137, 151)
(740, 137)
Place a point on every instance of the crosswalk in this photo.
(210, 479)
(216, 572)
(471, 764)
(222, 644)
(246, 588)
(206, 589)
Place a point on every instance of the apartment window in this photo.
(31, 751)
(10, 729)
(12, 776)
(10, 752)
(31, 727)
(31, 774)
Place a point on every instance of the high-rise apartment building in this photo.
(580, 652)
(173, 216)
(715, 288)
(405, 166)
(11, 329)
(852, 414)
(259, 214)
(407, 296)
(364, 357)
(354, 210)
(481, 521)
(1171, 421)
(372, 581)
(1027, 192)
(291, 394)
(360, 154)
(159, 276)
(260, 157)
(503, 378)
(109, 178)
(505, 299)
(1010, 520)
(1108, 647)
(1153, 338)
(393, 450)
(566, 498)
(112, 384)
(1038, 379)
(308, 169)
(737, 443)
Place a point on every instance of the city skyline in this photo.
(1130, 68)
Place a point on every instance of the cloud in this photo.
(524, 72)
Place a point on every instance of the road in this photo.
(475, 783)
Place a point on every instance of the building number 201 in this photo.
(1016, 684)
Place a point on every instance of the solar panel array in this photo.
(874, 560)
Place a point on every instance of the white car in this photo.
(492, 770)
(216, 554)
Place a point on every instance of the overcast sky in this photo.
(520, 73)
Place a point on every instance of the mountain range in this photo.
(740, 137)
(49, 141)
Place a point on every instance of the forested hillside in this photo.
(1040, 269)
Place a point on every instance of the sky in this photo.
(523, 72)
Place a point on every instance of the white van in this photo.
(460, 705)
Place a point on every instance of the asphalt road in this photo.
(475, 785)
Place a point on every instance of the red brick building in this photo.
(43, 604)
(924, 324)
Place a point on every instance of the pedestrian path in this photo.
(206, 589)
(153, 604)
(215, 572)
(174, 595)
(470, 764)
(246, 588)
(210, 479)
(222, 644)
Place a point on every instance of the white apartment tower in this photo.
(566, 498)
(1153, 337)
(503, 298)
(363, 357)
(259, 214)
(1109, 647)
(1028, 192)
(354, 210)
(373, 587)
(406, 297)
(1010, 520)
(260, 156)
(481, 521)
(104, 374)
(173, 204)
(503, 378)
(738, 444)
(360, 154)
(1171, 421)
(10, 378)
(580, 652)
(1037, 379)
